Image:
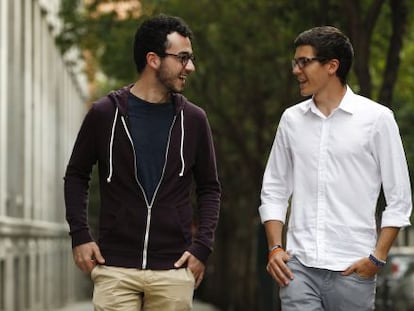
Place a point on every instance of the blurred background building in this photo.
(42, 102)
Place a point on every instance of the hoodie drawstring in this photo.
(111, 146)
(108, 179)
(182, 145)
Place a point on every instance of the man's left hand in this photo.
(195, 266)
(363, 267)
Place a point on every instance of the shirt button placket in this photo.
(321, 209)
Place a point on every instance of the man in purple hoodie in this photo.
(151, 146)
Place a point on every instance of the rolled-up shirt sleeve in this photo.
(277, 179)
(389, 152)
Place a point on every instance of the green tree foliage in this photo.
(403, 101)
(107, 38)
(243, 80)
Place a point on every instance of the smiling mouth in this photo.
(302, 83)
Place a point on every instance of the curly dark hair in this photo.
(151, 36)
(329, 43)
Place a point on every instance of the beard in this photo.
(169, 80)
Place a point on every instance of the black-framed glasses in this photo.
(184, 58)
(301, 62)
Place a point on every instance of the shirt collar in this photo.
(347, 104)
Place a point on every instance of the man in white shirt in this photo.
(330, 157)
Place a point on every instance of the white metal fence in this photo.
(41, 107)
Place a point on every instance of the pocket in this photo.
(182, 276)
(293, 261)
(168, 231)
(120, 224)
(93, 273)
(363, 278)
(190, 275)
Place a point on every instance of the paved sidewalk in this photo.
(87, 306)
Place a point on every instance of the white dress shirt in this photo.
(332, 169)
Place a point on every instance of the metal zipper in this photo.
(149, 205)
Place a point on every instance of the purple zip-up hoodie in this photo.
(133, 231)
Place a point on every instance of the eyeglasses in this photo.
(184, 58)
(301, 62)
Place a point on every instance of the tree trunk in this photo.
(399, 27)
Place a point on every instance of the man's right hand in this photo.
(87, 256)
(278, 269)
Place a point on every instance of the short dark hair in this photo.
(329, 43)
(151, 36)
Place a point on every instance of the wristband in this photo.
(274, 251)
(272, 248)
(378, 262)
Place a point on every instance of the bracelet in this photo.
(274, 251)
(378, 262)
(274, 247)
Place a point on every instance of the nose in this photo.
(295, 69)
(190, 66)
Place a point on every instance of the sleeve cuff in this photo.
(200, 251)
(80, 237)
(268, 212)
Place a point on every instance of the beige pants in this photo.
(124, 289)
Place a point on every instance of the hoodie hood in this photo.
(120, 100)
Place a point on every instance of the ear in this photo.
(333, 66)
(153, 60)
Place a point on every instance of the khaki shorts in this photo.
(121, 289)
